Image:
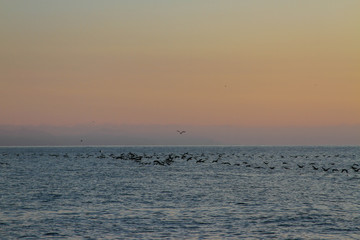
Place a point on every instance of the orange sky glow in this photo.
(239, 63)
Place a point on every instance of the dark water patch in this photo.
(52, 234)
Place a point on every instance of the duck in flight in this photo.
(181, 132)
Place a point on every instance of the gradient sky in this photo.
(238, 63)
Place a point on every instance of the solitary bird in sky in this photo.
(181, 132)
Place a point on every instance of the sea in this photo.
(180, 192)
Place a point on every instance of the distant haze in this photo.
(168, 135)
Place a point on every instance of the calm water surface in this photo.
(180, 193)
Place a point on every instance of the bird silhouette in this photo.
(181, 132)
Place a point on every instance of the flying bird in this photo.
(181, 132)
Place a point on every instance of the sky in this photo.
(280, 65)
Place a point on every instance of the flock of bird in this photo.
(239, 160)
(322, 163)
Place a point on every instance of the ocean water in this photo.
(207, 192)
